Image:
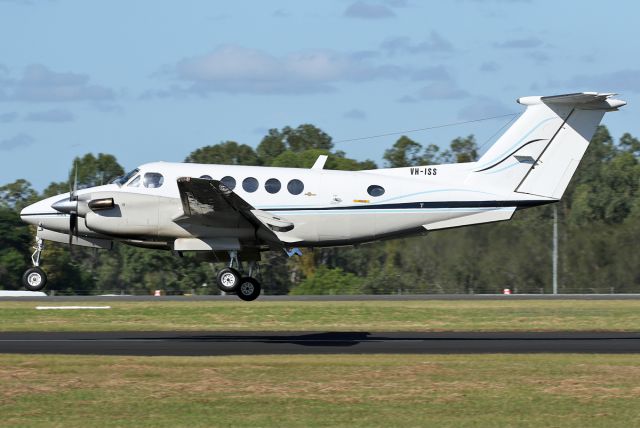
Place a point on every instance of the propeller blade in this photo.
(73, 226)
(74, 189)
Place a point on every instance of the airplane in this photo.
(232, 213)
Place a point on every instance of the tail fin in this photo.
(540, 152)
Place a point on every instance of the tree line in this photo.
(599, 218)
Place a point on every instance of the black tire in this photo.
(228, 279)
(249, 289)
(34, 279)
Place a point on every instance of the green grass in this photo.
(317, 391)
(521, 315)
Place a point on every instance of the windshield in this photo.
(124, 178)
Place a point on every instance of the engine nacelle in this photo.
(123, 214)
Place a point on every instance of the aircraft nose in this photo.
(29, 213)
(42, 212)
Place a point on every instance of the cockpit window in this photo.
(153, 180)
(124, 178)
(135, 182)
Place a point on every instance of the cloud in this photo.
(51, 116)
(397, 3)
(355, 114)
(362, 10)
(489, 66)
(615, 81)
(40, 84)
(8, 117)
(402, 45)
(538, 56)
(526, 43)
(236, 69)
(280, 13)
(17, 141)
(483, 107)
(438, 72)
(407, 99)
(446, 90)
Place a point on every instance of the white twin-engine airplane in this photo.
(235, 212)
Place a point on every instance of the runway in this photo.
(323, 298)
(264, 343)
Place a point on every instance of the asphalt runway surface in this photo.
(266, 343)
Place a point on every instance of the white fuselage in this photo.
(332, 208)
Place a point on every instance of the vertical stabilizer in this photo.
(539, 153)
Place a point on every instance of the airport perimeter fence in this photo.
(212, 291)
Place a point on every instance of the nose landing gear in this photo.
(34, 278)
(230, 280)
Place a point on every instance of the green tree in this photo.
(17, 195)
(306, 159)
(431, 155)
(629, 144)
(306, 137)
(464, 149)
(271, 146)
(14, 248)
(329, 281)
(95, 171)
(405, 152)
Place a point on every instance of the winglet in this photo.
(320, 162)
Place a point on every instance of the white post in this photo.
(554, 255)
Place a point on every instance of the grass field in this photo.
(308, 391)
(521, 315)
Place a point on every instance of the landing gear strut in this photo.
(34, 278)
(230, 280)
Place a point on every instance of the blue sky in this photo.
(154, 80)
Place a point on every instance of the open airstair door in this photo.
(552, 170)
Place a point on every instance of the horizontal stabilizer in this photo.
(579, 100)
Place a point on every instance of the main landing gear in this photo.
(34, 278)
(230, 280)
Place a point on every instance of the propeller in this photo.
(73, 213)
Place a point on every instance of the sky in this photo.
(153, 80)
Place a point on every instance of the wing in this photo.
(209, 202)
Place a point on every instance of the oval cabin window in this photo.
(375, 190)
(272, 185)
(295, 186)
(250, 184)
(229, 182)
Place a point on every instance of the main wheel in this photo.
(34, 279)
(249, 289)
(228, 279)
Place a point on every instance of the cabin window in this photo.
(230, 182)
(250, 184)
(205, 177)
(295, 186)
(124, 178)
(153, 180)
(135, 182)
(272, 185)
(375, 190)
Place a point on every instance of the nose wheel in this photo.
(34, 278)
